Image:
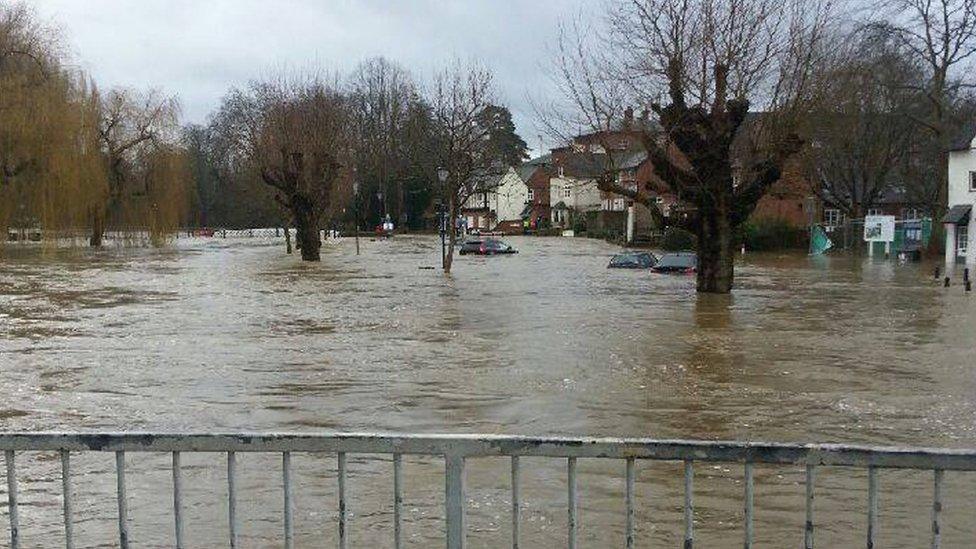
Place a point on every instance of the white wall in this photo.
(509, 198)
(960, 164)
(583, 193)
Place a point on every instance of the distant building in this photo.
(535, 174)
(497, 203)
(962, 197)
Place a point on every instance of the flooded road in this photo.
(230, 335)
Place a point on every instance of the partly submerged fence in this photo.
(456, 449)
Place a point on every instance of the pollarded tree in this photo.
(295, 134)
(711, 61)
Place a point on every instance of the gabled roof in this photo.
(526, 170)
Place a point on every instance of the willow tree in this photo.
(147, 190)
(49, 162)
(700, 66)
(296, 135)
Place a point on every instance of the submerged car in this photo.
(632, 260)
(488, 246)
(677, 263)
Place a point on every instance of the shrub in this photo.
(773, 234)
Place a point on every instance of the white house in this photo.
(962, 198)
(571, 194)
(497, 202)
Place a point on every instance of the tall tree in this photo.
(459, 96)
(941, 34)
(710, 61)
(295, 133)
(382, 97)
(136, 130)
(504, 141)
(863, 139)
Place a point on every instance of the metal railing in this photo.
(456, 449)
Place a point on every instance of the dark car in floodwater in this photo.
(677, 263)
(632, 260)
(487, 246)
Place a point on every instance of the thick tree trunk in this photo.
(307, 229)
(715, 254)
(287, 239)
(97, 228)
(451, 235)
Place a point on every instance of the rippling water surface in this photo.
(233, 335)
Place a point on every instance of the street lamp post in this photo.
(355, 214)
(442, 213)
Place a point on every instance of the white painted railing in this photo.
(455, 449)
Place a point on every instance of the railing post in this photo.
(516, 503)
(69, 541)
(573, 520)
(629, 497)
(872, 507)
(177, 501)
(397, 501)
(748, 505)
(120, 494)
(454, 500)
(937, 509)
(342, 500)
(286, 484)
(808, 527)
(232, 498)
(12, 499)
(689, 505)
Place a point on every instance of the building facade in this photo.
(962, 197)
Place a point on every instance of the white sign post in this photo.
(879, 228)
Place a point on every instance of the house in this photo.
(961, 199)
(535, 175)
(573, 187)
(500, 195)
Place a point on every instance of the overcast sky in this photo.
(200, 48)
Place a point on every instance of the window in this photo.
(560, 171)
(962, 239)
(567, 191)
(658, 200)
(875, 211)
(910, 214)
(531, 195)
(972, 181)
(831, 217)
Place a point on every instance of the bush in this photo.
(676, 239)
(774, 234)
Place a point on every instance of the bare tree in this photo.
(942, 36)
(700, 65)
(132, 127)
(295, 134)
(458, 97)
(382, 94)
(863, 139)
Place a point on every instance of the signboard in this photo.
(879, 228)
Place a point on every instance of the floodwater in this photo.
(232, 335)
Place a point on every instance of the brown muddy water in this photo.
(230, 335)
